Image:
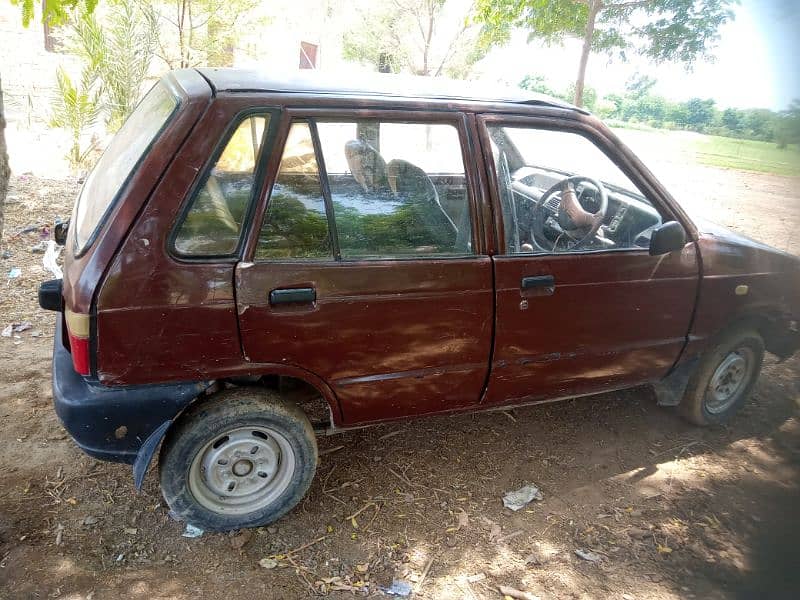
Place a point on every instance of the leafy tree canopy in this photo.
(425, 37)
(54, 12)
(662, 30)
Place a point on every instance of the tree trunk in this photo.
(5, 170)
(49, 44)
(594, 8)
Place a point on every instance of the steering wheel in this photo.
(573, 221)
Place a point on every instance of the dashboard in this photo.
(629, 218)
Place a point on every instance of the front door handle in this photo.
(545, 281)
(293, 296)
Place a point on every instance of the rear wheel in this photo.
(725, 378)
(242, 459)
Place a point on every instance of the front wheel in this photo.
(242, 459)
(724, 379)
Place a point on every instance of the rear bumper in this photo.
(113, 422)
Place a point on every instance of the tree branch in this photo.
(634, 4)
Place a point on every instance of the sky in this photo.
(757, 62)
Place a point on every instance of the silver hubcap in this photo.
(242, 471)
(729, 379)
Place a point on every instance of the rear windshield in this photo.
(119, 160)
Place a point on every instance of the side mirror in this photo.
(60, 232)
(667, 238)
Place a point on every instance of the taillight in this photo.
(78, 330)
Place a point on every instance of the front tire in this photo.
(724, 378)
(241, 459)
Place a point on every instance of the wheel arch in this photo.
(150, 446)
(670, 389)
(768, 323)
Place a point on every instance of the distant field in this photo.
(657, 145)
(747, 155)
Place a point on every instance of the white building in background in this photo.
(298, 34)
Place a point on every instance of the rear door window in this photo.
(296, 224)
(369, 189)
(119, 161)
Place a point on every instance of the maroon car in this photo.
(254, 260)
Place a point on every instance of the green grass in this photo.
(747, 155)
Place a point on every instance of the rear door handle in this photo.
(547, 281)
(292, 296)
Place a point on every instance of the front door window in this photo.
(560, 193)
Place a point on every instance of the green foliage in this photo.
(424, 37)
(788, 126)
(130, 42)
(198, 32)
(679, 30)
(56, 12)
(115, 61)
(548, 20)
(640, 104)
(537, 83)
(699, 113)
(119, 54)
(639, 85)
(76, 107)
(293, 231)
(378, 44)
(662, 30)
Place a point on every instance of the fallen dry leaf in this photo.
(664, 549)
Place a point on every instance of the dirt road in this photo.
(670, 510)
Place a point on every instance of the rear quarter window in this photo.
(119, 161)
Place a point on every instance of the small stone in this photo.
(588, 555)
(89, 520)
(272, 529)
(532, 559)
(131, 531)
(268, 563)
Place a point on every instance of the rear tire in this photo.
(241, 459)
(724, 378)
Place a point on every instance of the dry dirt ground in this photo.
(671, 510)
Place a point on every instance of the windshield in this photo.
(118, 162)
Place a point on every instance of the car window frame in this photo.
(592, 135)
(456, 118)
(259, 180)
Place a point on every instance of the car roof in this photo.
(381, 85)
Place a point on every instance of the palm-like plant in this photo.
(115, 63)
(129, 47)
(76, 107)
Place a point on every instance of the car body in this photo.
(460, 276)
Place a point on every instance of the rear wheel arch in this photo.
(278, 378)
